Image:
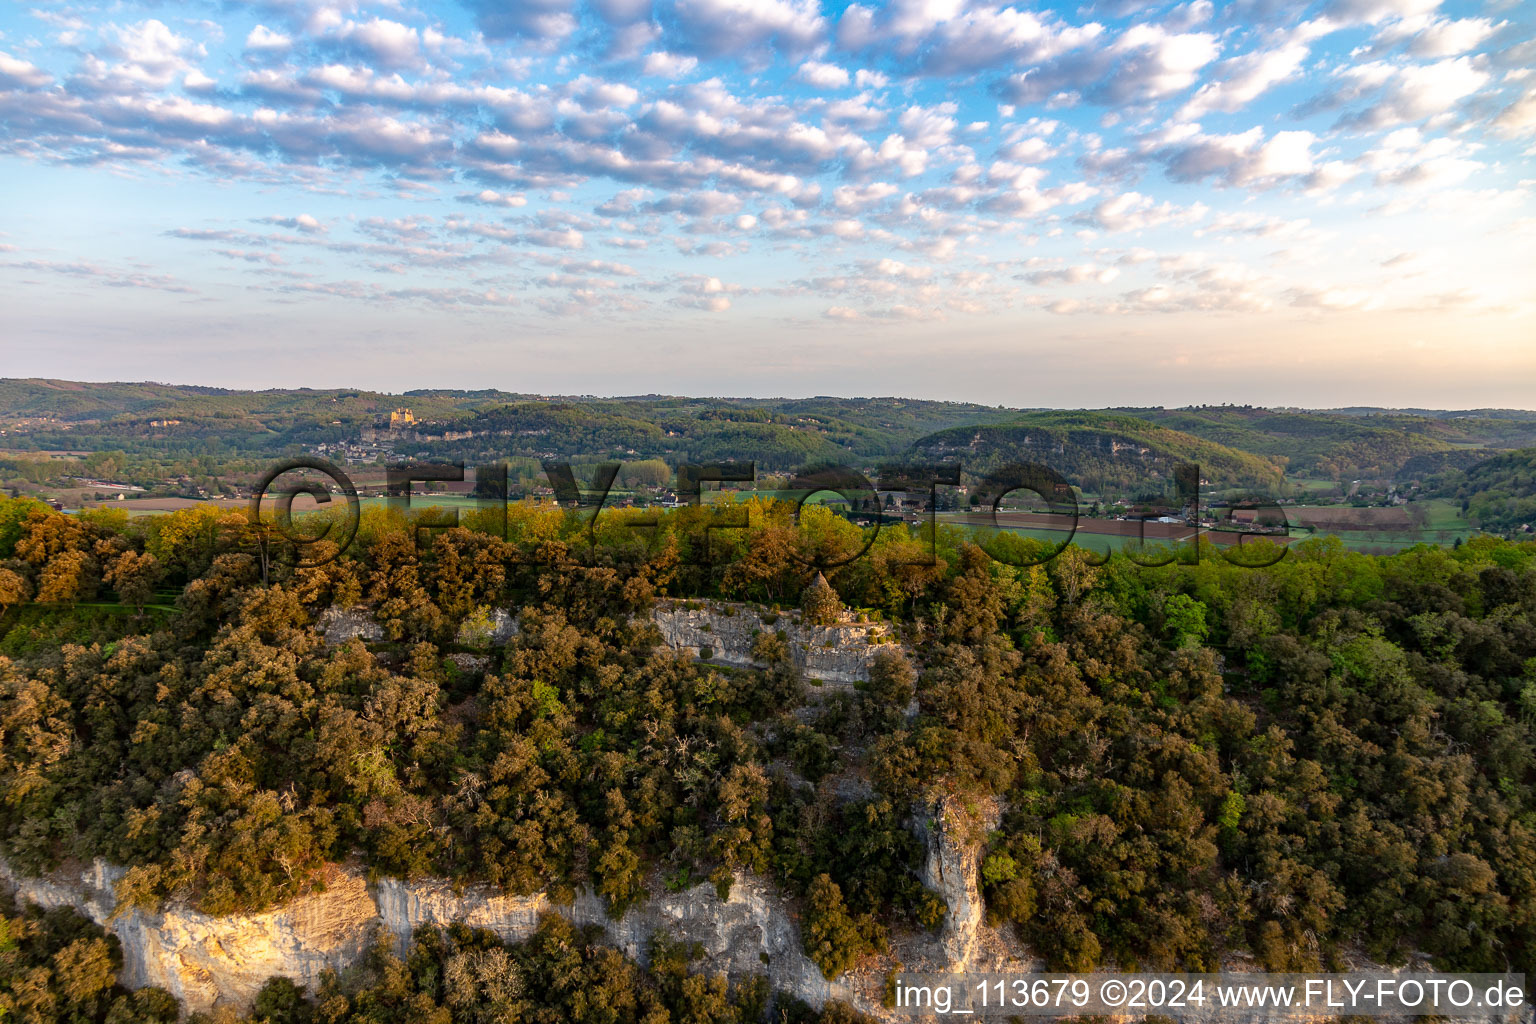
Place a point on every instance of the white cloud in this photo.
(1337, 300)
(1132, 211)
(390, 43)
(1085, 273)
(1439, 37)
(303, 222)
(668, 65)
(705, 292)
(1519, 118)
(543, 21)
(490, 197)
(1144, 64)
(1239, 81)
(16, 72)
(147, 55)
(857, 197)
(1240, 159)
(718, 27)
(947, 37)
(1409, 93)
(822, 76)
(265, 40)
(1373, 11)
(551, 239)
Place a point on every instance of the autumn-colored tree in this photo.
(768, 571)
(69, 576)
(46, 534)
(133, 575)
(14, 589)
(1073, 572)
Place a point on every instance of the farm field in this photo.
(159, 506)
(1094, 534)
(1379, 530)
(1369, 530)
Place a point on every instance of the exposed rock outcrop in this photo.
(338, 625)
(207, 961)
(839, 653)
(954, 834)
(754, 931)
(489, 627)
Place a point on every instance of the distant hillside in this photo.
(777, 434)
(1499, 493)
(1437, 464)
(157, 431)
(1440, 414)
(176, 423)
(1098, 451)
(1341, 444)
(73, 401)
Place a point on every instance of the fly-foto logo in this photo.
(854, 490)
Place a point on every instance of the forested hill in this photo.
(1098, 451)
(161, 430)
(778, 435)
(1328, 756)
(1346, 444)
(156, 418)
(1500, 492)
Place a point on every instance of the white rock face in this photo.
(338, 625)
(836, 654)
(223, 961)
(953, 870)
(214, 961)
(204, 960)
(495, 630)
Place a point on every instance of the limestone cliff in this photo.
(204, 960)
(954, 833)
(839, 653)
(207, 961)
(339, 625)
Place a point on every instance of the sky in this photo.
(1116, 203)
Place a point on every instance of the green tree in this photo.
(819, 603)
(833, 938)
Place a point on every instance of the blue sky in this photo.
(1065, 204)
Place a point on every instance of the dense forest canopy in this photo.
(1328, 755)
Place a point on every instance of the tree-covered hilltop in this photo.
(1100, 452)
(1338, 444)
(1331, 754)
(59, 968)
